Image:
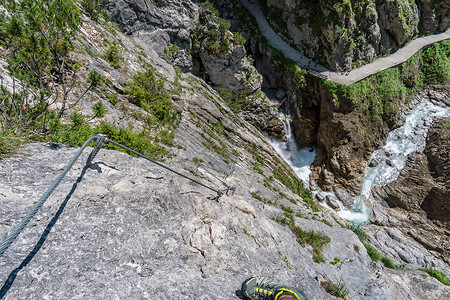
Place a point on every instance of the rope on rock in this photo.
(19, 227)
(100, 139)
(226, 191)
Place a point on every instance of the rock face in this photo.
(344, 32)
(155, 21)
(418, 202)
(182, 32)
(231, 70)
(129, 229)
(125, 228)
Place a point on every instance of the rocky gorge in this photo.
(128, 229)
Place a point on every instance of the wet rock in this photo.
(345, 197)
(333, 202)
(418, 204)
(320, 197)
(373, 163)
(281, 94)
(389, 163)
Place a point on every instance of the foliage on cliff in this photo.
(382, 95)
(341, 33)
(47, 82)
(212, 32)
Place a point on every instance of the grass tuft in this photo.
(437, 274)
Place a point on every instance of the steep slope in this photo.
(130, 229)
(421, 193)
(345, 33)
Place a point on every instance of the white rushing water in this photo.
(385, 164)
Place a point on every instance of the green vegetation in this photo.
(197, 160)
(113, 55)
(336, 289)
(315, 239)
(435, 66)
(148, 92)
(93, 8)
(236, 101)
(326, 222)
(285, 64)
(288, 264)
(171, 51)
(296, 186)
(437, 274)
(257, 197)
(99, 110)
(335, 261)
(212, 33)
(113, 99)
(376, 256)
(9, 143)
(37, 39)
(140, 142)
(238, 39)
(382, 95)
(371, 251)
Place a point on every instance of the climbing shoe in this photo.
(263, 288)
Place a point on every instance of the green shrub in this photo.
(140, 141)
(376, 256)
(114, 56)
(170, 52)
(437, 274)
(76, 118)
(238, 38)
(436, 63)
(224, 25)
(236, 101)
(113, 99)
(95, 78)
(93, 8)
(209, 6)
(98, 109)
(149, 93)
(37, 39)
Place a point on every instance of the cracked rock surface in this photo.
(131, 230)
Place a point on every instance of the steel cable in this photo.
(19, 227)
(100, 139)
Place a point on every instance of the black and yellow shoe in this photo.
(263, 288)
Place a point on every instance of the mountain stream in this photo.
(384, 165)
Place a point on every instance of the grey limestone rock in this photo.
(129, 229)
(231, 70)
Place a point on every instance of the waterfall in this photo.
(300, 160)
(384, 165)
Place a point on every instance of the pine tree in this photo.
(38, 38)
